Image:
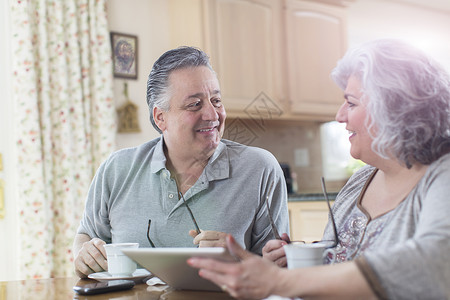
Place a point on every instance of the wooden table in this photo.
(61, 288)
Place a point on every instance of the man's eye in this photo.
(217, 102)
(194, 105)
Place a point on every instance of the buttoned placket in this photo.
(170, 193)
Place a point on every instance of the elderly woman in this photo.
(393, 214)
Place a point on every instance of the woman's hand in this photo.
(251, 278)
(274, 251)
(209, 238)
(255, 277)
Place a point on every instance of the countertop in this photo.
(311, 197)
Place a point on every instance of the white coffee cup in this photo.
(301, 255)
(120, 265)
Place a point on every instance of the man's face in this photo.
(195, 122)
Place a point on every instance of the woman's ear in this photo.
(158, 117)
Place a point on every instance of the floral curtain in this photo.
(62, 89)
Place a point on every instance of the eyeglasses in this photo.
(336, 238)
(272, 223)
(148, 234)
(275, 230)
(190, 213)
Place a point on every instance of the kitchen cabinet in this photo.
(271, 56)
(243, 39)
(307, 220)
(315, 41)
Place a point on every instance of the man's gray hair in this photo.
(158, 94)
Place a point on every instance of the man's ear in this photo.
(158, 117)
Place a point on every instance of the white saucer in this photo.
(105, 276)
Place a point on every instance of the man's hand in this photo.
(90, 255)
(209, 238)
(274, 251)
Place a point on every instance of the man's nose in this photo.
(210, 112)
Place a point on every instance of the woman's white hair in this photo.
(407, 96)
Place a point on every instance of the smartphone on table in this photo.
(103, 287)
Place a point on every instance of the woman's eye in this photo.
(350, 104)
(352, 101)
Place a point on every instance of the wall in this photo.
(427, 28)
(148, 19)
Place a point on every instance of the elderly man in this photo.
(188, 169)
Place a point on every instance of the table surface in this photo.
(62, 288)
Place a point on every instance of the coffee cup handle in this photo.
(330, 254)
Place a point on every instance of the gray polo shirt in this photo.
(133, 186)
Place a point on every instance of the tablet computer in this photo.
(170, 265)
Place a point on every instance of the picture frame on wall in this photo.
(125, 55)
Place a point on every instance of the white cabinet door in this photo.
(315, 41)
(244, 38)
(307, 220)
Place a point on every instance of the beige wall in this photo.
(427, 28)
(148, 19)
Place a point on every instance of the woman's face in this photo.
(353, 113)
